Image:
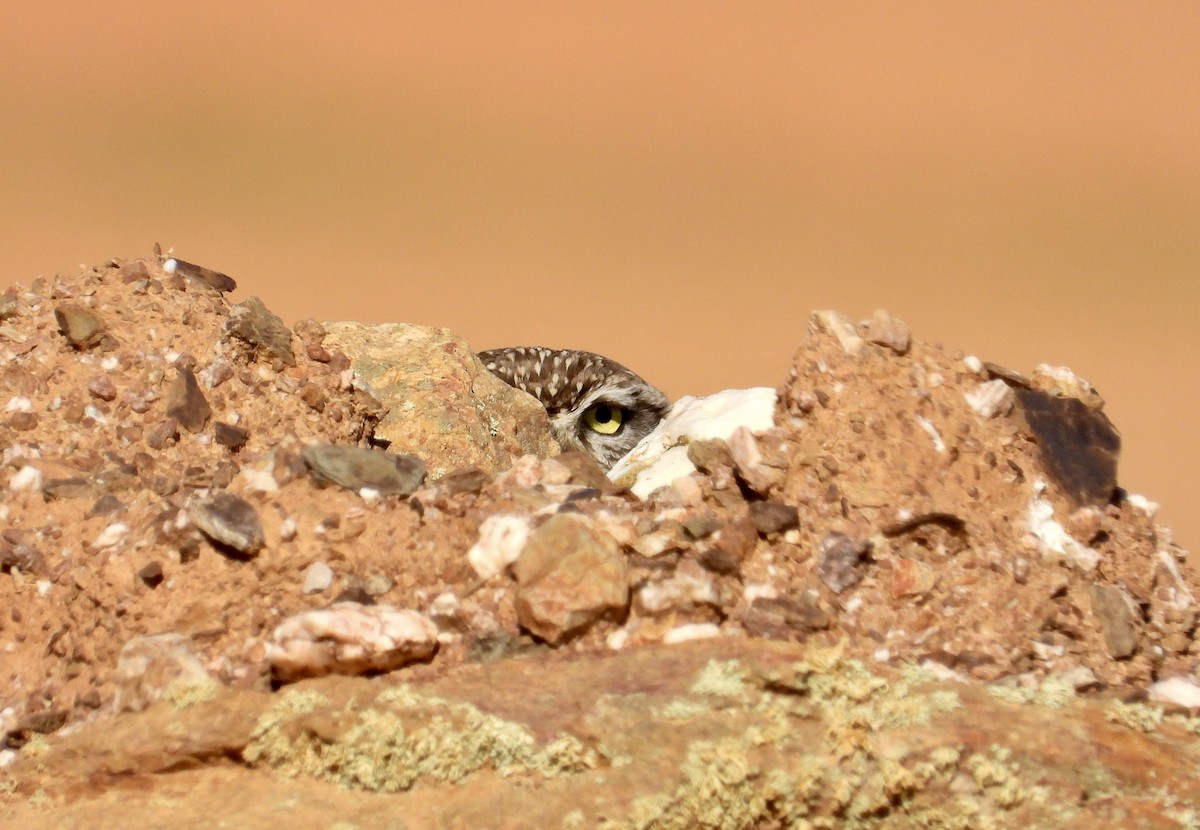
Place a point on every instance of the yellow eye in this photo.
(603, 418)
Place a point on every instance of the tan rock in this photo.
(443, 405)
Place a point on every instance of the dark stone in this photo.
(230, 436)
(205, 276)
(82, 328)
(186, 403)
(66, 488)
(773, 517)
(151, 574)
(25, 558)
(106, 506)
(838, 561)
(253, 323)
(230, 521)
(719, 561)
(356, 467)
(42, 723)
(1079, 446)
(784, 618)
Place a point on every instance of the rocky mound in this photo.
(198, 514)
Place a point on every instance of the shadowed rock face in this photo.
(893, 509)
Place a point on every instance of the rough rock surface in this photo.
(960, 642)
(443, 405)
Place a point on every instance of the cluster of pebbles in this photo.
(191, 494)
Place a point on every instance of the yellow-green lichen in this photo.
(402, 738)
(182, 693)
(1053, 692)
(1137, 716)
(727, 679)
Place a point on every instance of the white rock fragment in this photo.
(26, 478)
(18, 403)
(317, 577)
(349, 638)
(974, 365)
(501, 539)
(1180, 691)
(111, 535)
(991, 398)
(1149, 508)
(1181, 594)
(840, 327)
(691, 631)
(661, 457)
(928, 426)
(1052, 535)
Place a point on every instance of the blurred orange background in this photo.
(673, 184)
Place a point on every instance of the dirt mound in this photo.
(184, 478)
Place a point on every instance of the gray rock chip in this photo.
(186, 403)
(568, 577)
(1111, 610)
(839, 559)
(231, 521)
(443, 405)
(253, 323)
(82, 328)
(357, 467)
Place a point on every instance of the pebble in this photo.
(102, 387)
(1078, 445)
(349, 638)
(1111, 609)
(691, 631)
(357, 467)
(317, 577)
(186, 404)
(568, 577)
(230, 436)
(841, 328)
(230, 521)
(1178, 690)
(991, 398)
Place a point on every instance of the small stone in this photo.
(773, 517)
(501, 539)
(786, 618)
(1112, 611)
(831, 322)
(378, 584)
(230, 521)
(151, 574)
(102, 387)
(349, 638)
(737, 538)
(458, 482)
(1180, 691)
(838, 562)
(568, 577)
(70, 487)
(709, 455)
(186, 403)
(911, 577)
(356, 467)
(106, 505)
(991, 398)
(702, 525)
(253, 323)
(1078, 445)
(82, 328)
(161, 433)
(317, 577)
(886, 330)
(23, 421)
(230, 436)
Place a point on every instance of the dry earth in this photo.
(920, 600)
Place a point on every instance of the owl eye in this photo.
(603, 418)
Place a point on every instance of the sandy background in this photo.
(674, 185)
